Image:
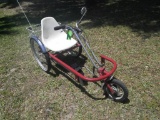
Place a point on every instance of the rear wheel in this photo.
(42, 58)
(120, 91)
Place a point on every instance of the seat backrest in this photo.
(47, 28)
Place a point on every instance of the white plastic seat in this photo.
(55, 40)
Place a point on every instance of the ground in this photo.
(28, 93)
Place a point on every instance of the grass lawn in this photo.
(28, 93)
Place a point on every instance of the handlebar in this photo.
(67, 27)
(59, 27)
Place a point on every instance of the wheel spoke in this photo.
(42, 59)
(121, 92)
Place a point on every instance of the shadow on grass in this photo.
(9, 5)
(142, 17)
(72, 80)
(58, 69)
(83, 90)
(63, 11)
(126, 101)
(7, 24)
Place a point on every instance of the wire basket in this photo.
(34, 30)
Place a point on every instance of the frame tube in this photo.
(101, 77)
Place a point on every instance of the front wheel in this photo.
(119, 91)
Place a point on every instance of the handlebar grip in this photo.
(59, 27)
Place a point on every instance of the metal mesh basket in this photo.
(34, 30)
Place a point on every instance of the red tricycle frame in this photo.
(103, 74)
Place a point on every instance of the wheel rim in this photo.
(119, 93)
(39, 56)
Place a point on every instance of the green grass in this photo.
(28, 93)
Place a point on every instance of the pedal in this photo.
(79, 69)
(76, 66)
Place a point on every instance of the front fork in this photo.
(107, 87)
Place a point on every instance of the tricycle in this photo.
(56, 40)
